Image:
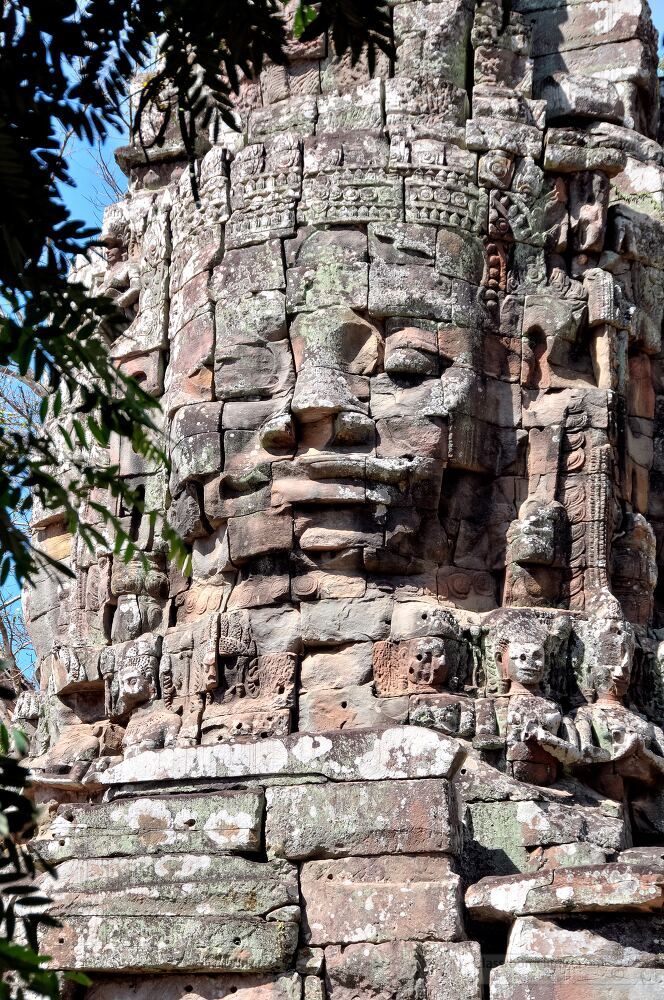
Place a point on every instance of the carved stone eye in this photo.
(408, 361)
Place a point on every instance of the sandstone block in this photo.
(349, 707)
(258, 534)
(339, 529)
(335, 338)
(381, 899)
(601, 888)
(296, 116)
(628, 60)
(404, 970)
(246, 987)
(314, 988)
(310, 961)
(646, 857)
(172, 884)
(431, 39)
(338, 820)
(417, 290)
(606, 940)
(335, 622)
(568, 856)
(167, 944)
(251, 269)
(338, 668)
(327, 284)
(359, 108)
(459, 255)
(276, 629)
(193, 458)
(548, 981)
(362, 755)
(568, 94)
(211, 824)
(505, 830)
(402, 243)
(577, 27)
(311, 246)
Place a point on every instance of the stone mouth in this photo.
(361, 467)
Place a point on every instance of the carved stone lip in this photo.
(381, 470)
(332, 466)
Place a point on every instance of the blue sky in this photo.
(90, 193)
(657, 8)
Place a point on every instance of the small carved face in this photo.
(136, 682)
(612, 674)
(428, 663)
(532, 539)
(524, 663)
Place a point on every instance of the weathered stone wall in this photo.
(408, 351)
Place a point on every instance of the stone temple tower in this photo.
(397, 735)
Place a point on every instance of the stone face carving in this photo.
(409, 363)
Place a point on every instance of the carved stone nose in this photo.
(278, 432)
(353, 428)
(322, 392)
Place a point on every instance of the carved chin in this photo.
(129, 701)
(529, 677)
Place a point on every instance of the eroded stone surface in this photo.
(210, 824)
(193, 883)
(337, 820)
(548, 981)
(284, 987)
(607, 940)
(155, 943)
(381, 899)
(606, 888)
(403, 969)
(407, 346)
(369, 756)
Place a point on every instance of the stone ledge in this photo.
(591, 889)
(164, 943)
(359, 755)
